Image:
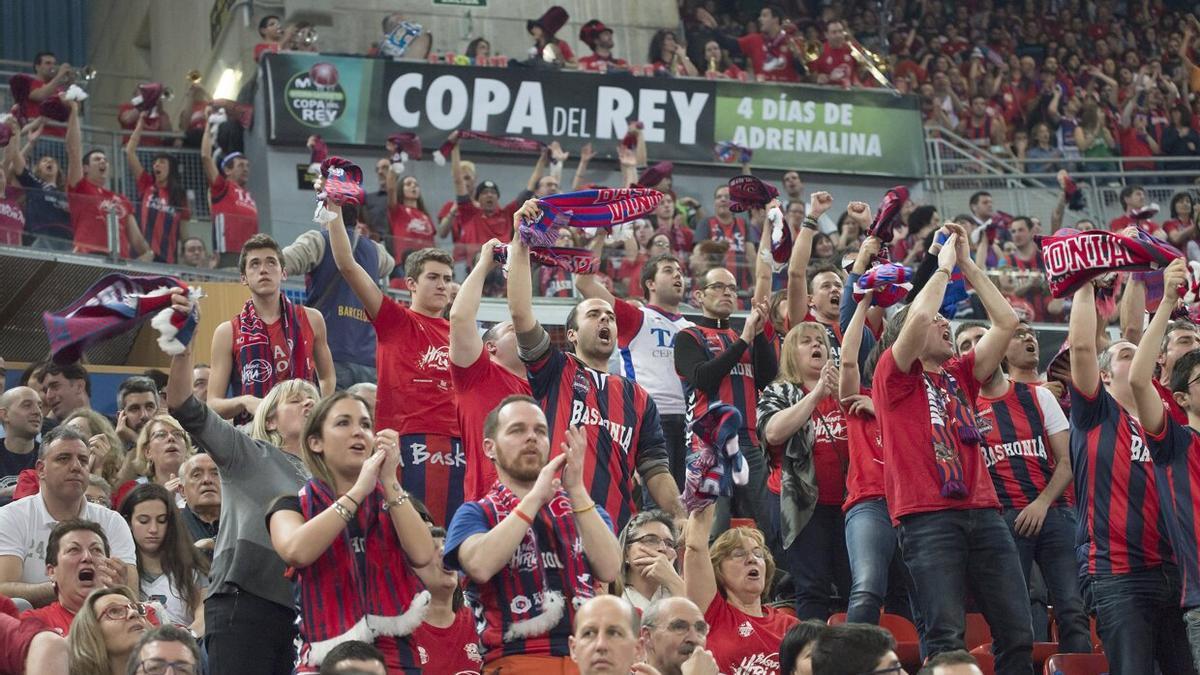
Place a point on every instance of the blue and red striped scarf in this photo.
(554, 535)
(950, 423)
(338, 601)
(254, 350)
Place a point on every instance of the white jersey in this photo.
(646, 352)
(25, 529)
(160, 590)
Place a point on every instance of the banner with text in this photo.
(360, 101)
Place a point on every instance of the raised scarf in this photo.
(514, 143)
(890, 282)
(1073, 258)
(254, 352)
(575, 260)
(338, 601)
(946, 428)
(553, 532)
(601, 207)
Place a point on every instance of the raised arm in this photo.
(393, 189)
(924, 310)
(359, 279)
(990, 350)
(698, 575)
(628, 162)
(763, 273)
(539, 168)
(587, 284)
(797, 304)
(74, 145)
(206, 146)
(1150, 409)
(585, 157)
(849, 377)
(456, 172)
(51, 88)
(599, 542)
(1085, 359)
(135, 139)
(13, 160)
(465, 342)
(520, 282)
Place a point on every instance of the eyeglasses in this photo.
(722, 288)
(654, 541)
(163, 434)
(681, 627)
(742, 554)
(123, 612)
(162, 666)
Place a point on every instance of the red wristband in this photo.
(522, 516)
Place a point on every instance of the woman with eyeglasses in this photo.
(162, 447)
(729, 582)
(171, 570)
(648, 563)
(105, 631)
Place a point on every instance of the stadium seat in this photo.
(1041, 652)
(1076, 664)
(987, 663)
(978, 632)
(743, 522)
(1097, 644)
(908, 646)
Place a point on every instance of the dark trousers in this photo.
(1054, 550)
(951, 552)
(819, 565)
(675, 434)
(247, 634)
(349, 374)
(1140, 621)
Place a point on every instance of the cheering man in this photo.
(816, 294)
(938, 490)
(618, 415)
(534, 546)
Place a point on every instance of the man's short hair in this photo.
(491, 425)
(821, 268)
(66, 527)
(87, 157)
(138, 384)
(70, 371)
(1181, 375)
(62, 432)
(255, 243)
(968, 325)
(958, 657)
(775, 10)
(1128, 191)
(1172, 326)
(37, 60)
(414, 264)
(977, 196)
(492, 333)
(850, 649)
(262, 23)
(199, 239)
(650, 269)
(164, 633)
(351, 650)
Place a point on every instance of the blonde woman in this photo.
(108, 452)
(162, 447)
(105, 631)
(281, 415)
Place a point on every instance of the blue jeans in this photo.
(872, 548)
(1192, 619)
(1140, 621)
(1054, 550)
(951, 552)
(818, 563)
(349, 374)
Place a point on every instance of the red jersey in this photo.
(55, 616)
(278, 348)
(865, 475)
(234, 214)
(830, 454)
(979, 133)
(480, 387)
(90, 205)
(736, 389)
(12, 217)
(413, 362)
(1175, 410)
(737, 233)
(156, 123)
(768, 64)
(837, 64)
(1016, 449)
(1123, 221)
(1121, 521)
(917, 409)
(744, 644)
(412, 229)
(1176, 452)
(160, 220)
(453, 650)
(600, 64)
(473, 226)
(623, 428)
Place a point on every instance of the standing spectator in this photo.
(669, 57)
(483, 369)
(275, 37)
(202, 495)
(981, 125)
(447, 641)
(21, 417)
(729, 582)
(772, 51)
(105, 631)
(605, 637)
(376, 208)
(836, 65)
(411, 228)
(617, 415)
(173, 572)
(479, 219)
(349, 332)
(12, 216)
(648, 554)
(67, 389)
(47, 218)
(156, 120)
(816, 294)
(75, 563)
(1134, 211)
(54, 77)
(674, 634)
(92, 204)
(599, 38)
(165, 647)
(724, 226)
(349, 534)
(415, 397)
(1181, 140)
(271, 340)
(163, 206)
(25, 524)
(531, 549)
(234, 213)
(1093, 139)
(546, 45)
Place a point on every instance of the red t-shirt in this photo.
(904, 404)
(830, 454)
(12, 217)
(865, 476)
(412, 229)
(413, 362)
(744, 644)
(263, 47)
(1123, 221)
(235, 215)
(54, 615)
(473, 226)
(90, 205)
(592, 63)
(1134, 144)
(453, 650)
(754, 46)
(837, 64)
(480, 388)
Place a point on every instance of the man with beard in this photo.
(137, 403)
(535, 546)
(76, 556)
(202, 491)
(600, 38)
(815, 294)
(619, 417)
(674, 633)
(21, 416)
(646, 340)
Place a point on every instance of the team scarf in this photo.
(887, 218)
(718, 464)
(513, 143)
(554, 533)
(255, 347)
(114, 305)
(598, 208)
(890, 282)
(728, 152)
(574, 260)
(340, 602)
(1073, 258)
(945, 449)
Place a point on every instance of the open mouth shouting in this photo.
(604, 335)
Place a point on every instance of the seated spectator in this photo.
(648, 574)
(162, 199)
(718, 65)
(599, 38)
(957, 662)
(1040, 155)
(479, 51)
(25, 524)
(673, 634)
(77, 562)
(173, 573)
(1181, 140)
(99, 492)
(546, 45)
(447, 641)
(47, 218)
(853, 649)
(21, 417)
(796, 650)
(669, 57)
(605, 636)
(275, 37)
(105, 632)
(165, 647)
(161, 449)
(195, 254)
(29, 646)
(107, 450)
(202, 495)
(137, 403)
(354, 656)
(729, 582)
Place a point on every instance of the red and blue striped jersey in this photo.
(623, 427)
(736, 389)
(161, 221)
(1016, 447)
(1176, 453)
(1121, 522)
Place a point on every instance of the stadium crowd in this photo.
(361, 484)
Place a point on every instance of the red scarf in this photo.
(255, 351)
(340, 602)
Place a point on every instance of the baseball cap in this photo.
(486, 185)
